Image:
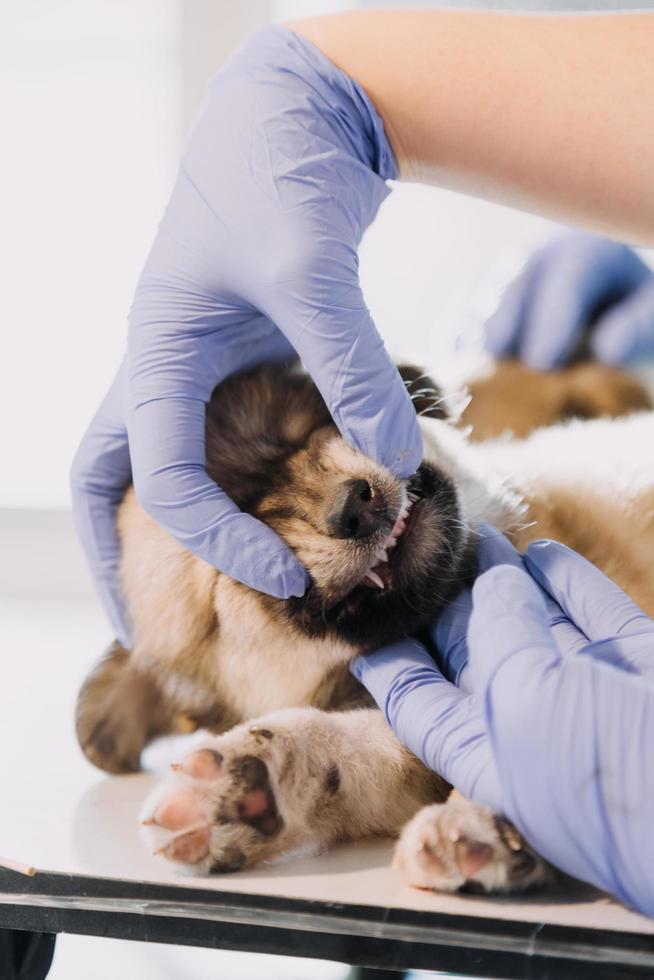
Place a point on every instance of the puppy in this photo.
(301, 759)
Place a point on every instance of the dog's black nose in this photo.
(358, 511)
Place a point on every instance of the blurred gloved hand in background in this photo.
(552, 723)
(255, 260)
(576, 282)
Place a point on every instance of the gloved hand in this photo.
(255, 259)
(558, 730)
(576, 282)
(431, 706)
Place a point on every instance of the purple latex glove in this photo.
(576, 282)
(441, 722)
(255, 259)
(558, 732)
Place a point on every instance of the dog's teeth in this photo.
(374, 578)
(412, 498)
(390, 542)
(397, 528)
(404, 512)
(382, 555)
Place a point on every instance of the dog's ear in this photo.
(427, 397)
(254, 422)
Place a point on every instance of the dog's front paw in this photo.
(219, 812)
(461, 845)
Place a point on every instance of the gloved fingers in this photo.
(262, 343)
(450, 631)
(572, 277)
(560, 292)
(167, 443)
(544, 309)
(515, 665)
(381, 672)
(435, 720)
(626, 331)
(509, 635)
(495, 549)
(456, 743)
(557, 317)
(578, 275)
(183, 341)
(633, 658)
(570, 742)
(318, 304)
(100, 474)
(591, 600)
(450, 634)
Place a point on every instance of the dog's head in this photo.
(383, 554)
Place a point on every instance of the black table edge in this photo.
(358, 934)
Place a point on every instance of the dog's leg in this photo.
(296, 778)
(463, 845)
(119, 710)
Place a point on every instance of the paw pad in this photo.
(177, 811)
(203, 764)
(257, 806)
(471, 856)
(189, 848)
(215, 812)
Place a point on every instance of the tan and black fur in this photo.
(301, 757)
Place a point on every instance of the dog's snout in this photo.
(358, 510)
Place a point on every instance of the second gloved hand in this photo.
(579, 289)
(556, 727)
(432, 707)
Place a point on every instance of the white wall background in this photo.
(95, 97)
(89, 102)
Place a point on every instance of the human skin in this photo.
(547, 113)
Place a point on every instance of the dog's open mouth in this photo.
(380, 573)
(413, 563)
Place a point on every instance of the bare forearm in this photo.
(553, 114)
